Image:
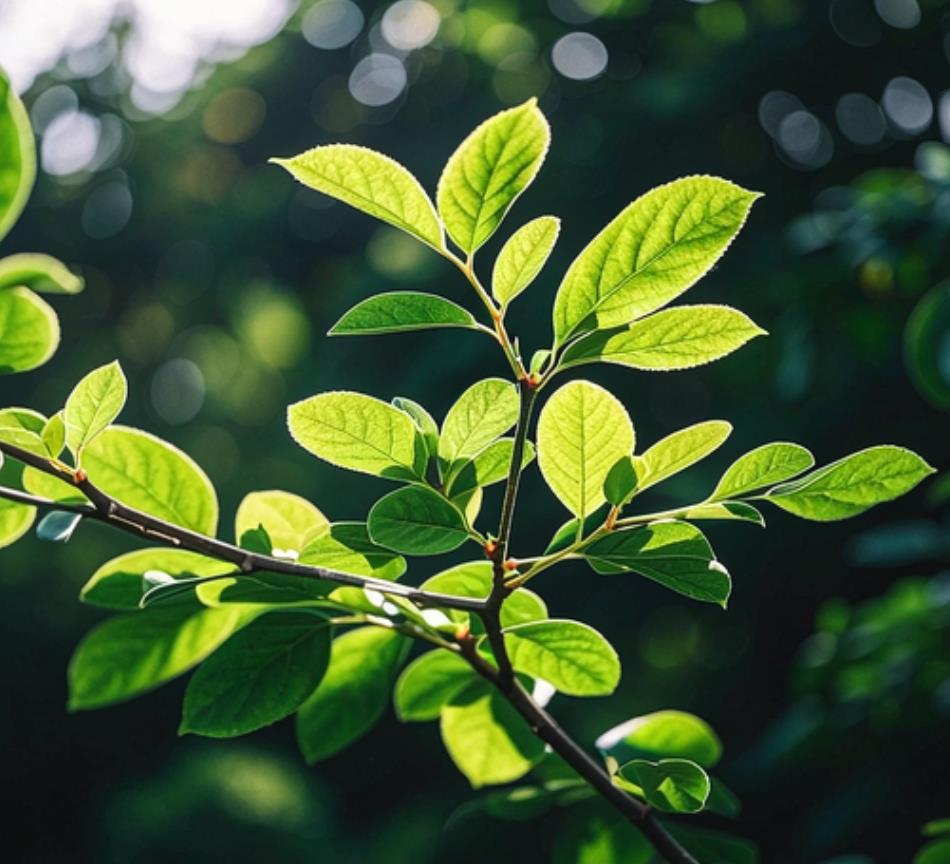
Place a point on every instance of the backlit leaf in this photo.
(17, 156)
(484, 412)
(399, 311)
(429, 683)
(663, 735)
(29, 330)
(768, 464)
(347, 547)
(523, 256)
(291, 522)
(93, 405)
(38, 272)
(678, 451)
(671, 785)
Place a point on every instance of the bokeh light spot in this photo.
(332, 24)
(377, 80)
(233, 115)
(860, 119)
(177, 391)
(410, 24)
(907, 105)
(580, 56)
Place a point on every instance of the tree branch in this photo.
(106, 509)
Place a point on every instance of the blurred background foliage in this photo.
(213, 278)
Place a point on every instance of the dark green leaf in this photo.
(399, 311)
(417, 520)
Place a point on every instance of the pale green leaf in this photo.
(677, 338)
(657, 248)
(118, 584)
(15, 520)
(135, 652)
(399, 311)
(523, 256)
(291, 522)
(671, 785)
(417, 520)
(768, 464)
(262, 674)
(347, 548)
(675, 554)
(663, 735)
(489, 466)
(354, 431)
(23, 428)
(852, 484)
(487, 739)
(39, 272)
(29, 330)
(354, 692)
(17, 156)
(582, 431)
(484, 412)
(429, 683)
(371, 182)
(93, 405)
(573, 657)
(678, 451)
(425, 424)
(54, 435)
(739, 511)
(489, 170)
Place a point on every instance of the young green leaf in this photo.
(474, 579)
(399, 311)
(768, 464)
(117, 584)
(357, 432)
(670, 785)
(658, 247)
(484, 412)
(571, 656)
(677, 338)
(523, 256)
(852, 484)
(17, 155)
(621, 481)
(263, 591)
(54, 435)
(291, 522)
(262, 674)
(663, 735)
(429, 683)
(130, 654)
(675, 554)
(488, 171)
(739, 511)
(23, 428)
(487, 739)
(425, 424)
(347, 548)
(15, 520)
(371, 182)
(489, 466)
(29, 330)
(38, 272)
(678, 451)
(354, 692)
(417, 520)
(582, 431)
(93, 405)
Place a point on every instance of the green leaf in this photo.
(58, 526)
(38, 272)
(290, 521)
(354, 692)
(768, 464)
(675, 554)
(852, 484)
(722, 800)
(599, 838)
(357, 432)
(417, 520)
(347, 548)
(582, 431)
(53, 435)
(489, 466)
(486, 738)
(489, 170)
(425, 424)
(571, 656)
(568, 533)
(730, 510)
(371, 182)
(678, 451)
(29, 330)
(713, 847)
(93, 405)
(399, 311)
(936, 828)
(262, 674)
(658, 247)
(663, 735)
(621, 482)
(474, 579)
(677, 338)
(151, 475)
(117, 584)
(429, 683)
(130, 654)
(17, 156)
(23, 428)
(934, 853)
(484, 412)
(671, 785)
(15, 520)
(263, 590)
(523, 256)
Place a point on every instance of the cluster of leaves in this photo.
(269, 640)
